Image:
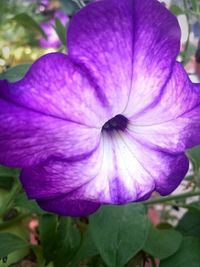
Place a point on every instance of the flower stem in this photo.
(171, 198)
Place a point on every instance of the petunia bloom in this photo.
(52, 40)
(108, 123)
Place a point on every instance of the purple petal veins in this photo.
(108, 123)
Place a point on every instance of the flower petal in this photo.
(65, 207)
(164, 169)
(46, 114)
(119, 171)
(173, 124)
(133, 172)
(129, 46)
(58, 87)
(28, 138)
(61, 176)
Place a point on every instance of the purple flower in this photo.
(52, 40)
(108, 123)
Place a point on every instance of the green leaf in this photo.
(16, 73)
(176, 10)
(162, 243)
(194, 5)
(47, 229)
(7, 176)
(119, 232)
(188, 254)
(10, 243)
(190, 222)
(67, 241)
(61, 31)
(87, 249)
(194, 155)
(14, 257)
(5, 171)
(6, 182)
(37, 250)
(28, 22)
(30, 205)
(60, 239)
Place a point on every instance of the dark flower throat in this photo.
(118, 122)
